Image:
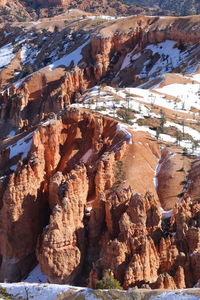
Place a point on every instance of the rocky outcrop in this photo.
(42, 184)
(137, 256)
(62, 245)
(128, 250)
(40, 94)
(88, 218)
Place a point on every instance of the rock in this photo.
(61, 247)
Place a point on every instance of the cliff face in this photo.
(42, 183)
(65, 235)
(139, 252)
(39, 95)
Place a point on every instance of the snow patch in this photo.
(12, 133)
(36, 276)
(166, 214)
(175, 296)
(21, 146)
(35, 291)
(74, 56)
(6, 55)
(128, 135)
(86, 156)
(158, 168)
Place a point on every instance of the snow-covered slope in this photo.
(143, 104)
(52, 291)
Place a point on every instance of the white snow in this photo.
(109, 18)
(12, 133)
(127, 59)
(196, 77)
(105, 101)
(52, 291)
(36, 22)
(86, 156)
(49, 122)
(175, 296)
(157, 170)
(159, 166)
(28, 54)
(35, 291)
(23, 53)
(6, 55)
(36, 276)
(166, 214)
(188, 130)
(187, 93)
(128, 135)
(74, 56)
(22, 146)
(167, 138)
(170, 58)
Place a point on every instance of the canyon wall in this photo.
(110, 46)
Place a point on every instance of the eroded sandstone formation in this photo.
(39, 184)
(72, 204)
(81, 194)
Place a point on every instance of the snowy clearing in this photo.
(46, 291)
(175, 296)
(170, 57)
(36, 291)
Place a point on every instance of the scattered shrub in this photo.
(4, 294)
(108, 282)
